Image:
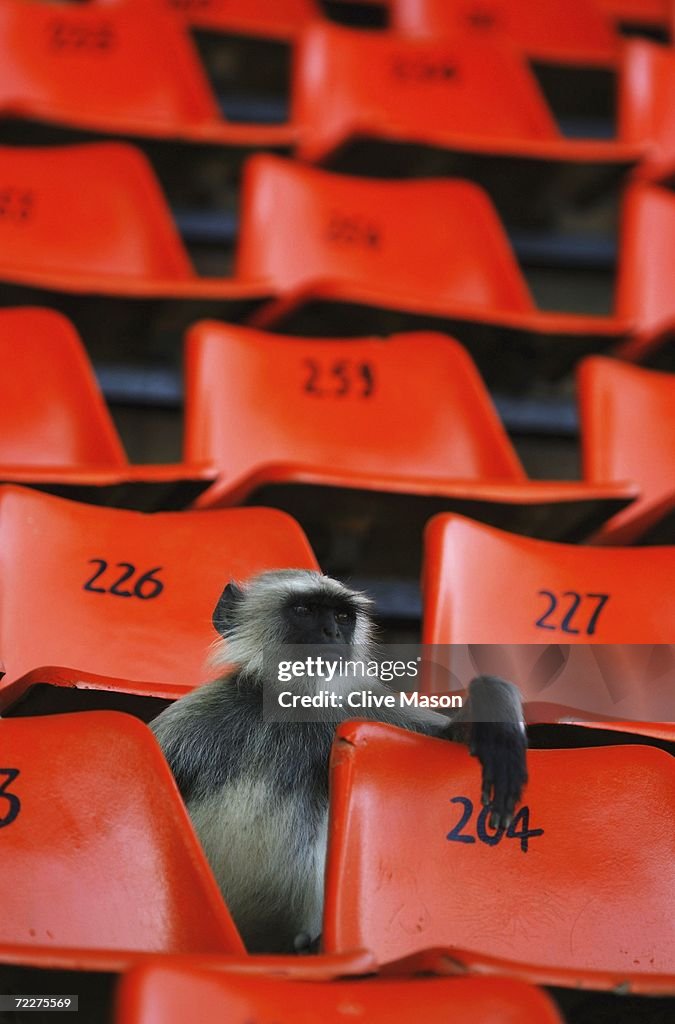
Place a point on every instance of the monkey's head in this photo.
(289, 606)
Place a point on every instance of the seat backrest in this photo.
(349, 84)
(628, 428)
(644, 289)
(53, 412)
(584, 878)
(170, 994)
(411, 406)
(428, 241)
(126, 594)
(577, 30)
(97, 847)
(646, 97)
(483, 586)
(96, 62)
(87, 209)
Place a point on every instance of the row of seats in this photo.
(101, 867)
(367, 102)
(272, 413)
(112, 608)
(318, 254)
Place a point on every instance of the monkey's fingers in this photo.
(501, 749)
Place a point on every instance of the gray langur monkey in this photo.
(257, 790)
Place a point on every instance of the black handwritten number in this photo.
(357, 380)
(311, 382)
(541, 621)
(490, 839)
(12, 800)
(129, 570)
(146, 587)
(602, 600)
(566, 622)
(527, 833)
(486, 836)
(89, 585)
(456, 833)
(16, 204)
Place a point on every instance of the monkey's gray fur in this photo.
(257, 790)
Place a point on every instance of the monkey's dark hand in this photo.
(494, 729)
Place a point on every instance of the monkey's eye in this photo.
(343, 616)
(301, 609)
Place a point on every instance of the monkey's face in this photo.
(319, 620)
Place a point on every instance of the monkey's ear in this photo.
(223, 615)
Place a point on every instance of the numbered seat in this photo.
(628, 433)
(116, 70)
(351, 256)
(86, 229)
(56, 430)
(643, 287)
(168, 993)
(580, 626)
(120, 594)
(384, 103)
(325, 439)
(546, 891)
(97, 848)
(578, 33)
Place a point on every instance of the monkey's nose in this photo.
(331, 632)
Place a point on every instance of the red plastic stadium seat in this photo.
(383, 103)
(584, 879)
(92, 219)
(171, 994)
(300, 418)
(113, 69)
(353, 256)
(644, 290)
(483, 586)
(646, 97)
(577, 32)
(628, 433)
(123, 594)
(56, 430)
(97, 847)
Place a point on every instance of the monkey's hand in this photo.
(493, 727)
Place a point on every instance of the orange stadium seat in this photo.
(628, 433)
(171, 993)
(374, 257)
(483, 586)
(92, 219)
(644, 290)
(57, 433)
(97, 847)
(583, 879)
(122, 594)
(113, 69)
(86, 229)
(315, 426)
(646, 97)
(383, 103)
(577, 32)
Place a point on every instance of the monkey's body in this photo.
(257, 790)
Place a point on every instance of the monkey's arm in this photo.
(492, 725)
